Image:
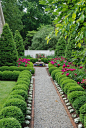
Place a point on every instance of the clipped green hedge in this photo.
(16, 96)
(9, 123)
(80, 101)
(85, 121)
(75, 94)
(67, 80)
(51, 69)
(20, 92)
(12, 111)
(22, 82)
(9, 75)
(18, 87)
(83, 113)
(54, 72)
(16, 102)
(56, 76)
(21, 68)
(76, 88)
(50, 65)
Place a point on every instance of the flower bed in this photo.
(70, 81)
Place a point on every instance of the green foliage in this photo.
(72, 87)
(50, 65)
(28, 39)
(12, 111)
(54, 72)
(16, 96)
(9, 75)
(67, 81)
(70, 46)
(9, 123)
(85, 121)
(39, 42)
(20, 92)
(19, 43)
(16, 102)
(80, 101)
(51, 69)
(8, 52)
(75, 94)
(82, 112)
(21, 68)
(18, 87)
(12, 14)
(60, 47)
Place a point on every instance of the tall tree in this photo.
(12, 14)
(8, 52)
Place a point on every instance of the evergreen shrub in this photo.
(67, 81)
(54, 72)
(51, 69)
(8, 52)
(18, 103)
(50, 65)
(80, 101)
(22, 82)
(16, 96)
(71, 89)
(18, 87)
(85, 121)
(20, 92)
(12, 111)
(75, 94)
(56, 76)
(19, 43)
(9, 123)
(82, 113)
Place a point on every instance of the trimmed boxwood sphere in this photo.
(20, 92)
(16, 96)
(20, 87)
(79, 102)
(12, 111)
(16, 102)
(9, 123)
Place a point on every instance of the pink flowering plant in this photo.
(23, 62)
(70, 70)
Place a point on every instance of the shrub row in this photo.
(21, 68)
(9, 75)
(14, 109)
(75, 93)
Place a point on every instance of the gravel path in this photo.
(49, 111)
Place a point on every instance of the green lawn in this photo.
(5, 89)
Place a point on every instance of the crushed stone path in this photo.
(49, 111)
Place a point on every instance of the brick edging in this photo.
(32, 114)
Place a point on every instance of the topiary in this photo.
(74, 88)
(51, 69)
(20, 92)
(80, 101)
(18, 87)
(19, 43)
(8, 52)
(56, 76)
(75, 94)
(67, 81)
(9, 123)
(16, 96)
(54, 72)
(50, 65)
(22, 82)
(82, 112)
(18, 103)
(12, 111)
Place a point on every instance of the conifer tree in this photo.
(60, 47)
(19, 43)
(8, 52)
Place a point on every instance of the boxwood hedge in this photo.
(9, 123)
(12, 111)
(80, 101)
(75, 94)
(83, 113)
(16, 102)
(51, 69)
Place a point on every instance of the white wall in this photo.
(34, 52)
